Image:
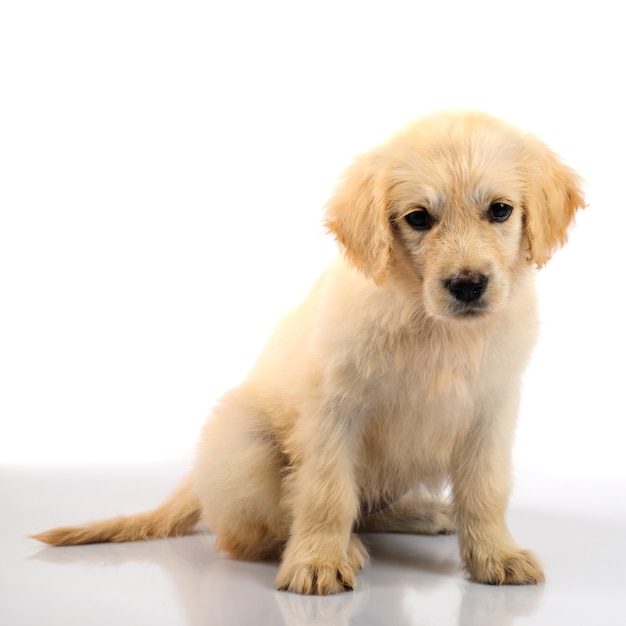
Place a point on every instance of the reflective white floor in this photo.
(577, 527)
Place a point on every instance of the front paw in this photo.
(318, 579)
(323, 577)
(506, 567)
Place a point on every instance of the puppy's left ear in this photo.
(358, 217)
(553, 195)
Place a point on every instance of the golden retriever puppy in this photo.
(397, 377)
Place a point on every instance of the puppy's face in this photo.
(457, 218)
(457, 204)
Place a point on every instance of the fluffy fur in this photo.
(398, 376)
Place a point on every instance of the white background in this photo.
(163, 171)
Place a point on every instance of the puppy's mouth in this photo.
(469, 312)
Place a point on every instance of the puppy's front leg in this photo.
(323, 555)
(481, 485)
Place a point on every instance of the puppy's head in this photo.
(456, 203)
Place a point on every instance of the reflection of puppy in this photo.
(398, 374)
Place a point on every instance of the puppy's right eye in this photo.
(420, 219)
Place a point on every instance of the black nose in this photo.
(467, 287)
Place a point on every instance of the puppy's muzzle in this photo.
(467, 287)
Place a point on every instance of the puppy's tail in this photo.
(174, 518)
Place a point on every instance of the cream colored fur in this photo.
(383, 387)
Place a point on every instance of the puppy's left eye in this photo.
(500, 212)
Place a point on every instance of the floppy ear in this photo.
(358, 217)
(553, 196)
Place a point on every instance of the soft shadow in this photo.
(212, 589)
(336, 610)
(408, 578)
(488, 605)
(436, 556)
(207, 587)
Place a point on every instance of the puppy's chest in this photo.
(421, 412)
(428, 409)
(431, 378)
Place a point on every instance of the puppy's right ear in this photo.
(358, 217)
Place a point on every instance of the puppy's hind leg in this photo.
(417, 512)
(238, 479)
